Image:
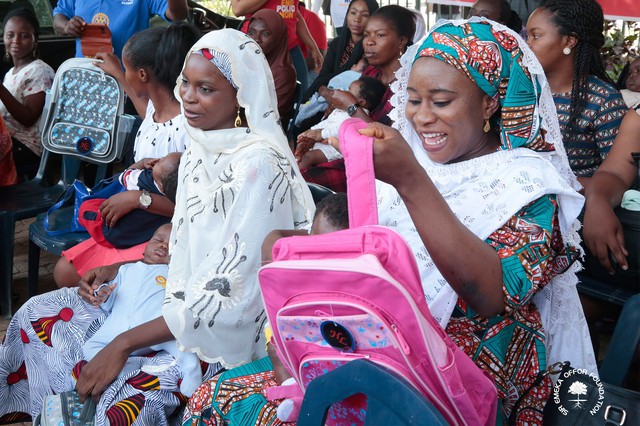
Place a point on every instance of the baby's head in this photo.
(633, 79)
(360, 65)
(157, 250)
(164, 168)
(368, 91)
(331, 214)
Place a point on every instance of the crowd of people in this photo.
(491, 150)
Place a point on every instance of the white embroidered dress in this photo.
(234, 187)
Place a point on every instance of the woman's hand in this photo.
(94, 279)
(110, 64)
(603, 234)
(103, 369)
(118, 205)
(393, 159)
(303, 146)
(340, 99)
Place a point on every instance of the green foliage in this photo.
(222, 7)
(619, 46)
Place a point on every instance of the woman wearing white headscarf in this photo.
(236, 183)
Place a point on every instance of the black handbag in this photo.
(580, 398)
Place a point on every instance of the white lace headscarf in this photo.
(486, 192)
(234, 186)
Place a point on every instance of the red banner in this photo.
(629, 10)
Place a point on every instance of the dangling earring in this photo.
(487, 126)
(33, 52)
(238, 121)
(566, 51)
(6, 56)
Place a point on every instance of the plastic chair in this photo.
(391, 400)
(23, 201)
(318, 192)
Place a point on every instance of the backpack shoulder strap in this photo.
(357, 151)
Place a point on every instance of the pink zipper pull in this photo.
(403, 343)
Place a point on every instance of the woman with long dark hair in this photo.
(566, 36)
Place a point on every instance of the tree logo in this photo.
(577, 389)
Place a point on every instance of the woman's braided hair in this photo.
(584, 20)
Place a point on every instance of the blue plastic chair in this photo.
(391, 400)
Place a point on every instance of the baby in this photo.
(317, 103)
(368, 92)
(151, 176)
(135, 297)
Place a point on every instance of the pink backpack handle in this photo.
(357, 151)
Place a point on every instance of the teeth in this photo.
(434, 138)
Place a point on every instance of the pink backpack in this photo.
(356, 294)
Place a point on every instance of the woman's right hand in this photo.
(103, 369)
(393, 158)
(94, 279)
(75, 26)
(603, 234)
(110, 64)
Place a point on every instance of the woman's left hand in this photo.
(119, 205)
(103, 369)
(340, 99)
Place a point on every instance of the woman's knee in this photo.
(65, 274)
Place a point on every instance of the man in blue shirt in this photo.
(123, 17)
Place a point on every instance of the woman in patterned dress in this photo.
(566, 36)
(478, 184)
(237, 182)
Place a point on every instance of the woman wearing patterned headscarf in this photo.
(484, 195)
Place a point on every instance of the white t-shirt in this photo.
(34, 78)
(155, 140)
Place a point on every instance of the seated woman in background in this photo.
(345, 50)
(153, 59)
(566, 36)
(22, 93)
(388, 34)
(269, 30)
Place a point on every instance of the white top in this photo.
(155, 140)
(234, 187)
(34, 78)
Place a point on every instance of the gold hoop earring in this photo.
(238, 121)
(487, 126)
